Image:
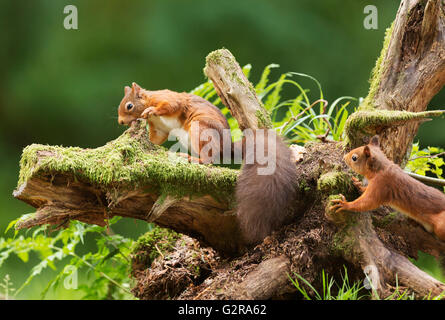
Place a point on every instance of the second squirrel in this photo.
(389, 185)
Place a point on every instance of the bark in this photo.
(131, 177)
(413, 69)
(235, 91)
(60, 190)
(363, 247)
(267, 279)
(408, 74)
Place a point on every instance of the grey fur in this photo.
(264, 200)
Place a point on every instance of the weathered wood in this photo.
(363, 247)
(409, 72)
(235, 91)
(267, 280)
(63, 192)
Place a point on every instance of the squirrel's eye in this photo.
(354, 157)
(129, 106)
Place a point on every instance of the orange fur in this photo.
(166, 110)
(389, 185)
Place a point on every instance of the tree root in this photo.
(384, 267)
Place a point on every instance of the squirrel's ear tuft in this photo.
(127, 89)
(136, 87)
(367, 152)
(375, 141)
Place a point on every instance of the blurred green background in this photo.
(63, 87)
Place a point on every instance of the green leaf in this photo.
(11, 224)
(259, 88)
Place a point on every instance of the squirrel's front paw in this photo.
(150, 111)
(339, 204)
(358, 184)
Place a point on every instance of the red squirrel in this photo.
(262, 199)
(167, 110)
(389, 185)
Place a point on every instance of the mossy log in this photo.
(366, 123)
(408, 74)
(133, 178)
(235, 91)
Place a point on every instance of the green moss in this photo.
(148, 246)
(217, 57)
(386, 220)
(130, 161)
(377, 71)
(304, 186)
(237, 79)
(343, 242)
(333, 197)
(214, 57)
(366, 122)
(335, 182)
(263, 117)
(231, 68)
(336, 218)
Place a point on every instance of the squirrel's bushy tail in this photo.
(263, 200)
